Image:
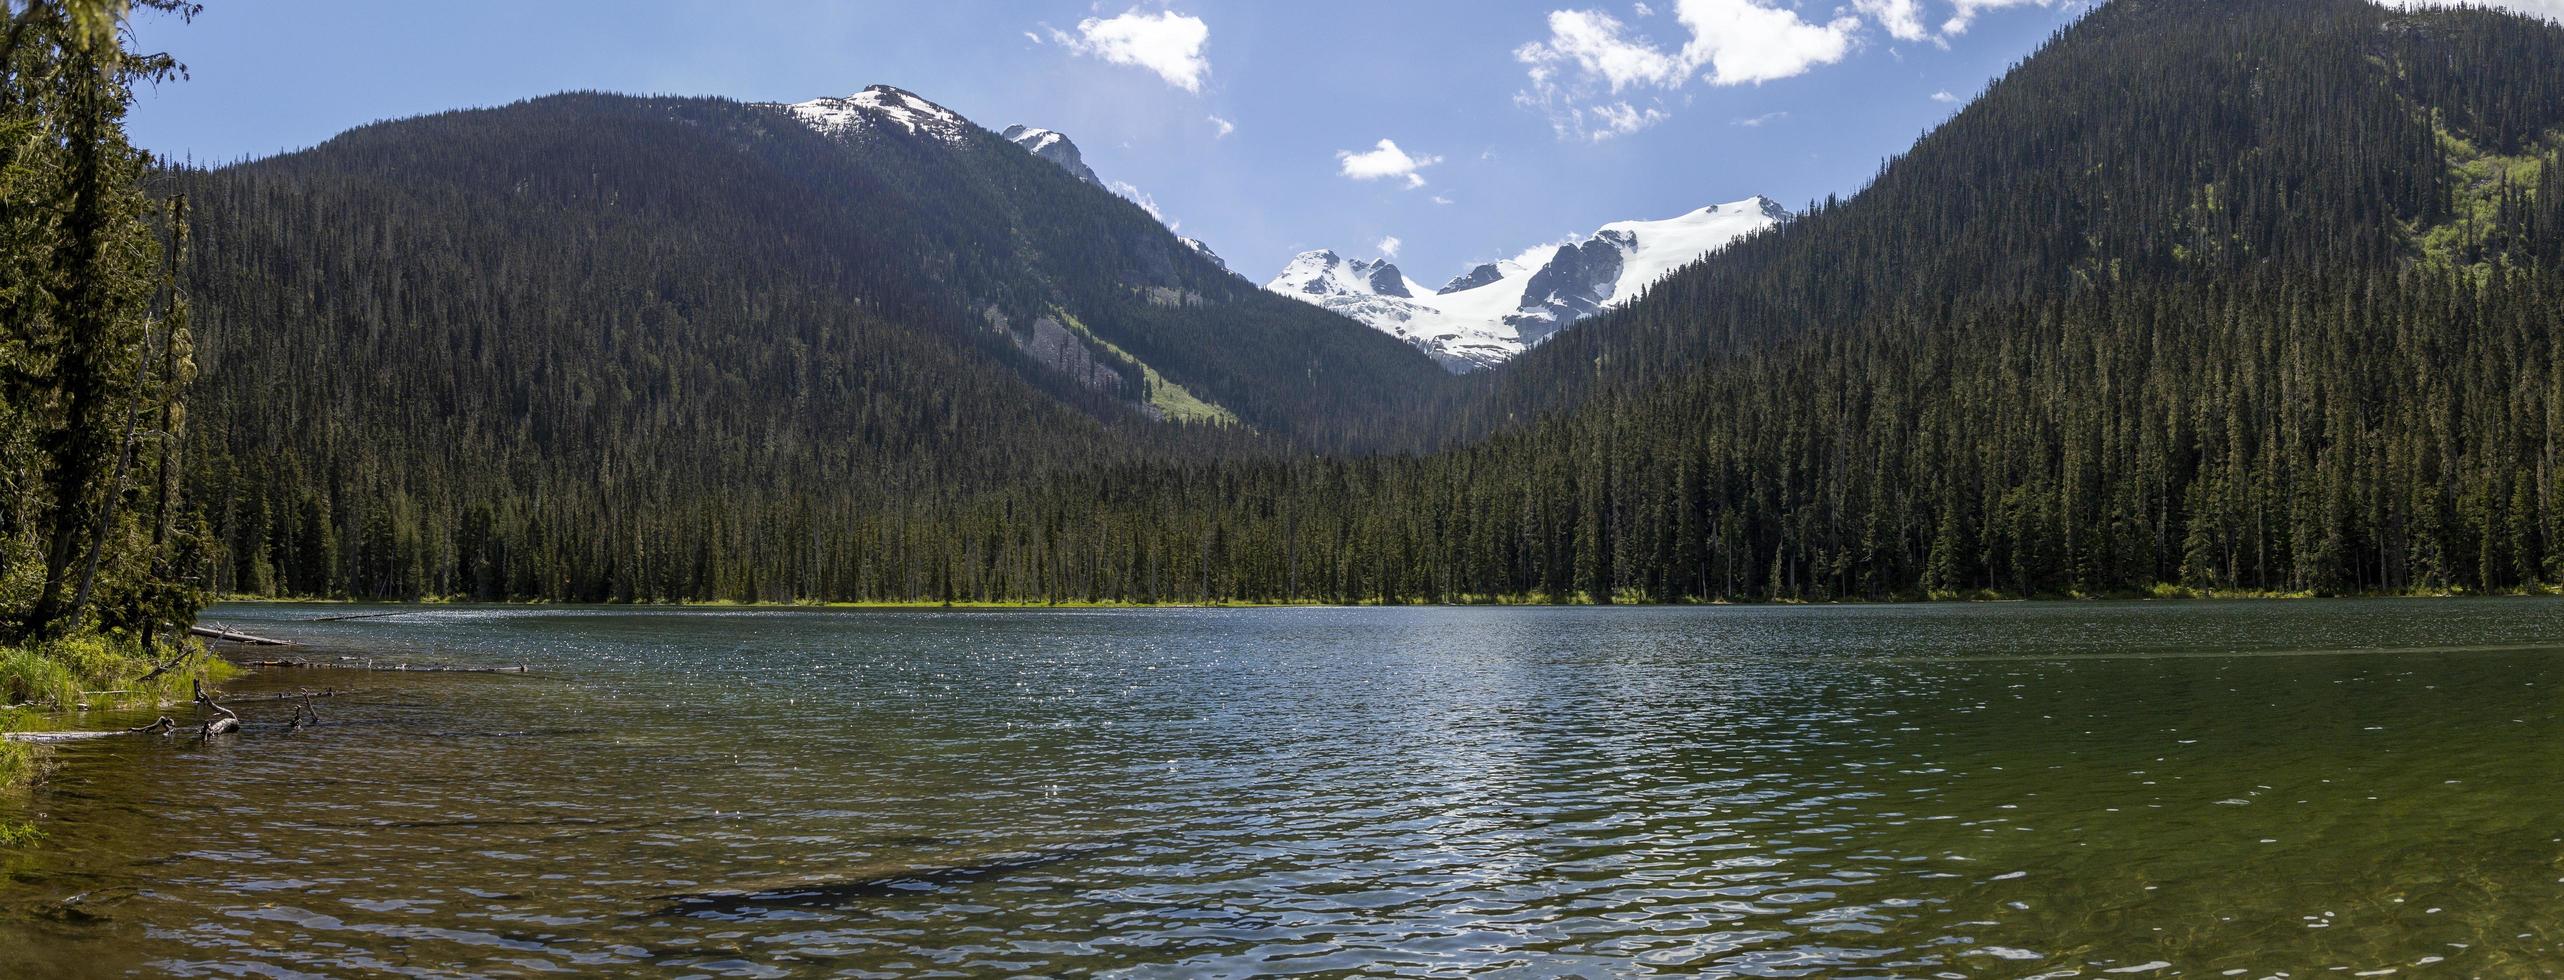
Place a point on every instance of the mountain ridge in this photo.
(1496, 310)
(670, 326)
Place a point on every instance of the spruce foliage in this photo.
(96, 352)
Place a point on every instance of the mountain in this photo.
(2205, 296)
(1496, 310)
(1055, 148)
(1204, 248)
(590, 345)
(1162, 321)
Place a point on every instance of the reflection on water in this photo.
(1946, 790)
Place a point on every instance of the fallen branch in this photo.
(222, 720)
(233, 636)
(384, 667)
(296, 696)
(162, 727)
(349, 619)
(184, 652)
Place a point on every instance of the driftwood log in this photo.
(302, 695)
(217, 632)
(219, 720)
(350, 619)
(162, 727)
(376, 665)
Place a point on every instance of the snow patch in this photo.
(1486, 315)
(881, 108)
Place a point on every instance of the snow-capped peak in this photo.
(1055, 147)
(1034, 139)
(1323, 273)
(1498, 309)
(1203, 247)
(1664, 246)
(881, 106)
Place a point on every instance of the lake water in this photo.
(2256, 789)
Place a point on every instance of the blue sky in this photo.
(1256, 126)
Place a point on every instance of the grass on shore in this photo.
(44, 686)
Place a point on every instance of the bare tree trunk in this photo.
(172, 382)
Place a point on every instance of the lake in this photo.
(2254, 789)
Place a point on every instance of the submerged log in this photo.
(871, 879)
(219, 720)
(162, 727)
(384, 667)
(350, 619)
(303, 695)
(234, 636)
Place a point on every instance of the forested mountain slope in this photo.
(538, 350)
(2224, 294)
(2155, 141)
(2221, 294)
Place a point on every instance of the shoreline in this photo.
(49, 688)
(2164, 594)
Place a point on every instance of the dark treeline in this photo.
(2391, 434)
(2230, 295)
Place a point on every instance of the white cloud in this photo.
(1597, 45)
(1167, 43)
(1389, 247)
(1757, 122)
(1740, 41)
(1439, 199)
(1590, 58)
(1903, 19)
(1584, 73)
(1030, 36)
(1944, 96)
(1223, 127)
(1621, 119)
(1385, 160)
(2547, 8)
(1743, 41)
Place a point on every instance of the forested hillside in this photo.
(607, 347)
(2222, 294)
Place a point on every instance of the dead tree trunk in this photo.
(220, 720)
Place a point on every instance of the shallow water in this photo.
(2315, 788)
